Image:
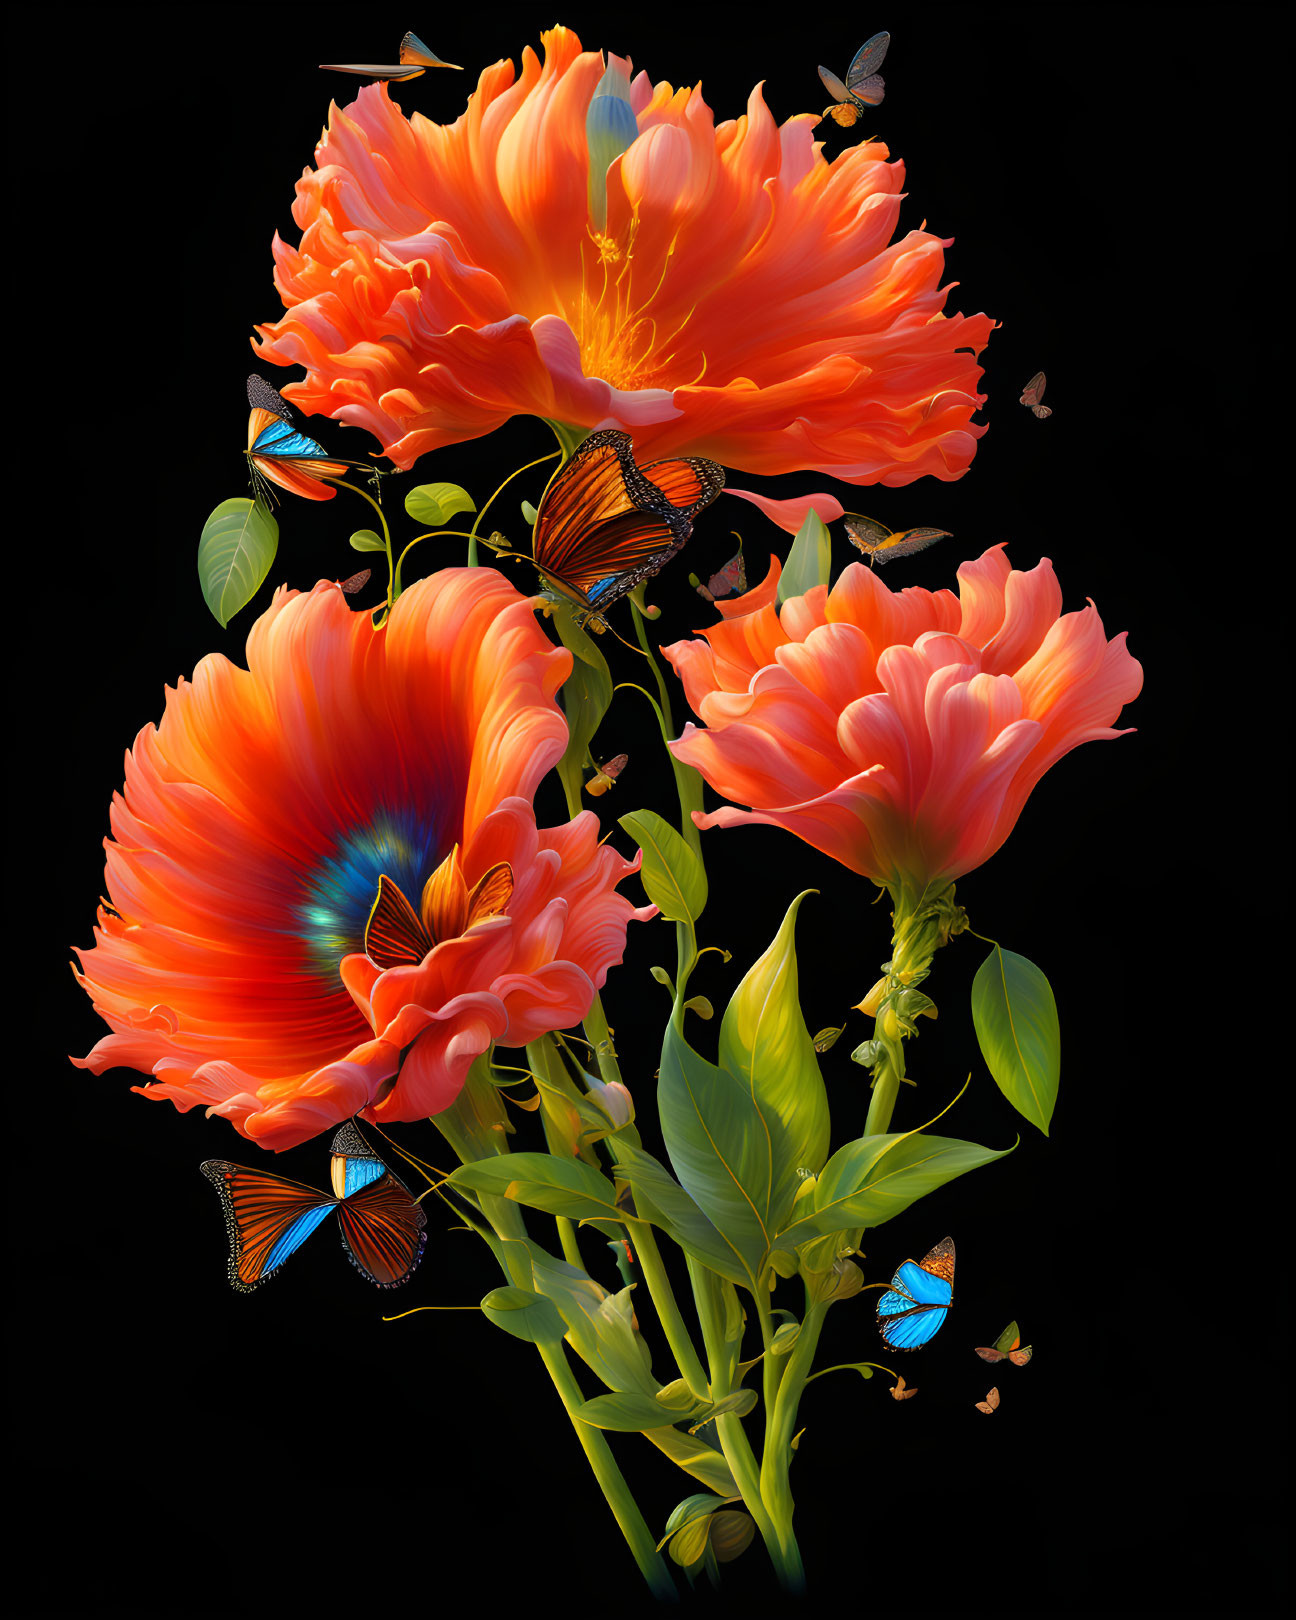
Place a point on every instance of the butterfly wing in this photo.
(383, 1229)
(731, 578)
(1034, 390)
(1042, 411)
(870, 91)
(394, 934)
(603, 526)
(988, 1354)
(937, 1263)
(991, 1402)
(867, 534)
(906, 543)
(413, 52)
(833, 85)
(868, 59)
(916, 1305)
(267, 1217)
(1019, 1358)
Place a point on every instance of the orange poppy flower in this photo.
(898, 731)
(740, 296)
(257, 820)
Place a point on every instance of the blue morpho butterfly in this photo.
(916, 1304)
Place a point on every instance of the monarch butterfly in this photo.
(280, 452)
(919, 1298)
(1033, 393)
(879, 544)
(1007, 1347)
(864, 86)
(415, 58)
(605, 523)
(269, 1217)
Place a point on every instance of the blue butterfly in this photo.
(911, 1312)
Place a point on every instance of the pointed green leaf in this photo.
(671, 873)
(367, 540)
(659, 1198)
(809, 561)
(765, 1044)
(237, 546)
(871, 1179)
(738, 1401)
(436, 504)
(1016, 1022)
(626, 1410)
(559, 1186)
(600, 1325)
(719, 1147)
(695, 1457)
(523, 1314)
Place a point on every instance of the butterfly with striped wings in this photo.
(279, 451)
(605, 523)
(268, 1217)
(911, 1312)
(415, 58)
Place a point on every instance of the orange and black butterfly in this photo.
(279, 451)
(880, 545)
(605, 524)
(864, 85)
(1007, 1347)
(1033, 393)
(415, 58)
(269, 1217)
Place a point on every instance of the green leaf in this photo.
(719, 1146)
(809, 561)
(695, 1457)
(600, 1325)
(659, 1198)
(869, 1180)
(671, 873)
(237, 546)
(785, 1336)
(586, 696)
(436, 504)
(367, 540)
(738, 1401)
(529, 513)
(559, 1186)
(1016, 1023)
(731, 1533)
(765, 1044)
(627, 1410)
(523, 1314)
(690, 1511)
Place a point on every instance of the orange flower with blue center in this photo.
(245, 960)
(596, 250)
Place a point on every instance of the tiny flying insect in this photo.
(899, 1392)
(990, 1404)
(864, 86)
(1007, 1347)
(1033, 393)
(880, 545)
(606, 775)
(415, 58)
(730, 581)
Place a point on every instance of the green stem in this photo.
(365, 496)
(774, 1481)
(611, 1480)
(570, 1248)
(668, 1312)
(688, 783)
(472, 537)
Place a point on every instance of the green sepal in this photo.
(809, 561)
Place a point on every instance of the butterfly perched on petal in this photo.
(911, 1312)
(1033, 393)
(899, 1392)
(605, 523)
(268, 1217)
(864, 86)
(1007, 1347)
(730, 581)
(880, 544)
(990, 1404)
(279, 451)
(415, 58)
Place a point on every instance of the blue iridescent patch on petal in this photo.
(406, 845)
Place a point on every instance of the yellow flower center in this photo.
(620, 339)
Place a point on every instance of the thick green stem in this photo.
(570, 1248)
(688, 784)
(668, 1312)
(774, 1481)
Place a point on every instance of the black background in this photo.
(1115, 191)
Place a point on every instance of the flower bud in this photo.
(871, 1002)
(614, 1099)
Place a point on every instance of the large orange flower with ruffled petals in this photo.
(743, 299)
(257, 820)
(898, 731)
